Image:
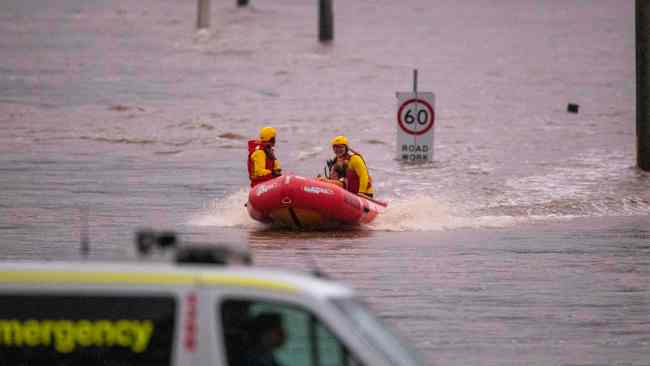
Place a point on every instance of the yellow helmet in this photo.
(340, 140)
(267, 133)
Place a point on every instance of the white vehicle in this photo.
(142, 313)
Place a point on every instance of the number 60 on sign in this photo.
(415, 121)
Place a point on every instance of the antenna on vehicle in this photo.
(83, 232)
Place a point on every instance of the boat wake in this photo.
(416, 213)
(427, 213)
(228, 211)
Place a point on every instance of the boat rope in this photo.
(294, 217)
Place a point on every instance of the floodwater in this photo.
(525, 242)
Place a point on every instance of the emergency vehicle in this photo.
(201, 309)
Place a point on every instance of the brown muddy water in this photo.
(525, 242)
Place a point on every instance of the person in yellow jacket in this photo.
(348, 168)
(262, 162)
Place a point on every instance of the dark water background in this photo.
(526, 241)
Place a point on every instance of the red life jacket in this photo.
(351, 177)
(270, 163)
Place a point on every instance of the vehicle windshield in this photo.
(378, 334)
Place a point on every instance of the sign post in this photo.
(643, 84)
(415, 121)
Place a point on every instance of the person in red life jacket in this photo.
(262, 163)
(348, 169)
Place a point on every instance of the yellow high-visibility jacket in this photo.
(259, 164)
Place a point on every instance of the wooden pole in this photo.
(203, 16)
(643, 83)
(325, 21)
(242, 3)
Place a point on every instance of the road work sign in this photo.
(415, 121)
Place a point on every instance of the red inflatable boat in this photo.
(299, 202)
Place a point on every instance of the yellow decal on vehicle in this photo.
(109, 278)
(67, 335)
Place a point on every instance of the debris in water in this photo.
(119, 108)
(231, 136)
(572, 108)
(375, 142)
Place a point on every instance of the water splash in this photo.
(427, 213)
(228, 211)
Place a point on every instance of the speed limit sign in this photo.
(415, 121)
(415, 116)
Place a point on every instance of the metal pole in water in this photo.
(325, 21)
(83, 230)
(642, 12)
(242, 3)
(415, 82)
(203, 16)
(415, 92)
